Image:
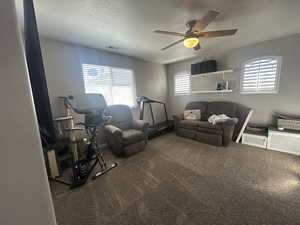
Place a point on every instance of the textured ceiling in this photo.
(128, 24)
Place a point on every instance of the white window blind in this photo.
(117, 85)
(261, 75)
(182, 83)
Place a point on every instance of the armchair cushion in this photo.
(132, 136)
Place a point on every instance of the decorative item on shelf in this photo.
(222, 85)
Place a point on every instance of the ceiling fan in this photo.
(195, 32)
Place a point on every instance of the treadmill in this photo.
(155, 129)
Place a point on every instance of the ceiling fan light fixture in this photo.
(191, 42)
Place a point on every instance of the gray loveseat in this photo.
(220, 134)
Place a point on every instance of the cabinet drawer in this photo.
(284, 142)
(255, 140)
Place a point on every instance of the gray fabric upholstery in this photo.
(124, 133)
(114, 138)
(207, 127)
(132, 136)
(203, 126)
(189, 124)
(121, 116)
(209, 138)
(227, 108)
(220, 134)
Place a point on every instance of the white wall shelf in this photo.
(206, 83)
(213, 91)
(223, 72)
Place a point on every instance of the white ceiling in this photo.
(129, 24)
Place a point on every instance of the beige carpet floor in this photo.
(177, 181)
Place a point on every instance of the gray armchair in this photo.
(124, 135)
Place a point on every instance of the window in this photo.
(117, 85)
(182, 83)
(261, 75)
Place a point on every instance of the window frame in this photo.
(277, 79)
(174, 83)
(115, 67)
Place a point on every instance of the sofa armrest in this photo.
(140, 125)
(177, 119)
(228, 129)
(113, 136)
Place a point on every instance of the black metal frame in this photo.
(144, 100)
(168, 125)
(91, 131)
(93, 148)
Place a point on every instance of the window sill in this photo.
(258, 92)
(182, 94)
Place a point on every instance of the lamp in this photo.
(191, 42)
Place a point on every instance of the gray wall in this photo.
(64, 75)
(24, 193)
(264, 105)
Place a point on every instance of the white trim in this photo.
(215, 91)
(213, 73)
(244, 126)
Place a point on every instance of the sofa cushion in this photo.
(227, 108)
(186, 133)
(198, 105)
(205, 126)
(202, 126)
(208, 138)
(189, 124)
(132, 136)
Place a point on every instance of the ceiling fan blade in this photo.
(169, 33)
(175, 43)
(197, 47)
(218, 33)
(207, 19)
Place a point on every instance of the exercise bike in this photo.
(93, 107)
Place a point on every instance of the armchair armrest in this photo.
(140, 125)
(111, 129)
(113, 136)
